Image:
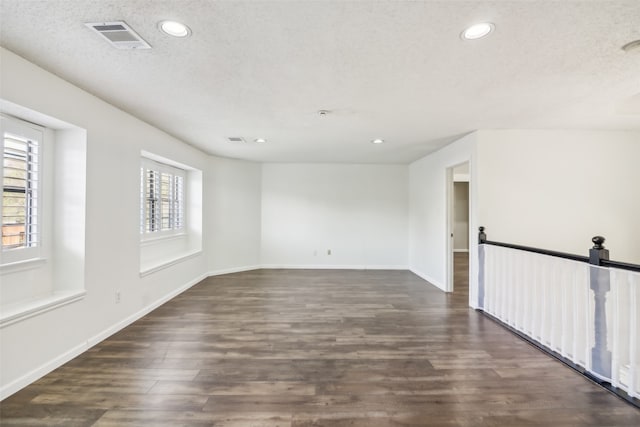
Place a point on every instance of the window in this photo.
(42, 211)
(162, 199)
(170, 212)
(20, 205)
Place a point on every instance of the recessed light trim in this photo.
(377, 141)
(174, 29)
(477, 31)
(260, 140)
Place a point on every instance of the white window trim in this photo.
(19, 312)
(10, 258)
(161, 265)
(153, 239)
(22, 265)
(147, 237)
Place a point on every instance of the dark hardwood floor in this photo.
(461, 273)
(315, 348)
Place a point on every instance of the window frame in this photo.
(31, 132)
(177, 201)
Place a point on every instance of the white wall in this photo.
(428, 210)
(32, 347)
(557, 189)
(233, 202)
(359, 212)
(68, 217)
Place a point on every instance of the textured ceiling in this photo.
(396, 70)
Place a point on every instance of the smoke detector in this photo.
(119, 35)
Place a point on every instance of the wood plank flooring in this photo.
(315, 348)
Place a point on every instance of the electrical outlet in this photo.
(117, 297)
(315, 252)
(328, 251)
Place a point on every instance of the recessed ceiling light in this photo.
(477, 31)
(377, 141)
(174, 29)
(260, 140)
(323, 113)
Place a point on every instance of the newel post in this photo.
(482, 238)
(600, 285)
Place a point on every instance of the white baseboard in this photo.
(143, 312)
(19, 383)
(43, 370)
(233, 270)
(428, 278)
(148, 309)
(332, 267)
(386, 267)
(461, 250)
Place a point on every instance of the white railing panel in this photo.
(544, 297)
(582, 319)
(623, 328)
(550, 300)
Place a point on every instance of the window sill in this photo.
(148, 269)
(147, 241)
(21, 311)
(27, 264)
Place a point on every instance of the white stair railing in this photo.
(623, 323)
(586, 313)
(543, 297)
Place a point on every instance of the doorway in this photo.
(458, 178)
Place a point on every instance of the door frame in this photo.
(450, 212)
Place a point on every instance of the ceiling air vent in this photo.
(236, 139)
(119, 35)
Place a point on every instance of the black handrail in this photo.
(539, 251)
(598, 255)
(620, 265)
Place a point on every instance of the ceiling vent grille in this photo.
(119, 35)
(236, 139)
